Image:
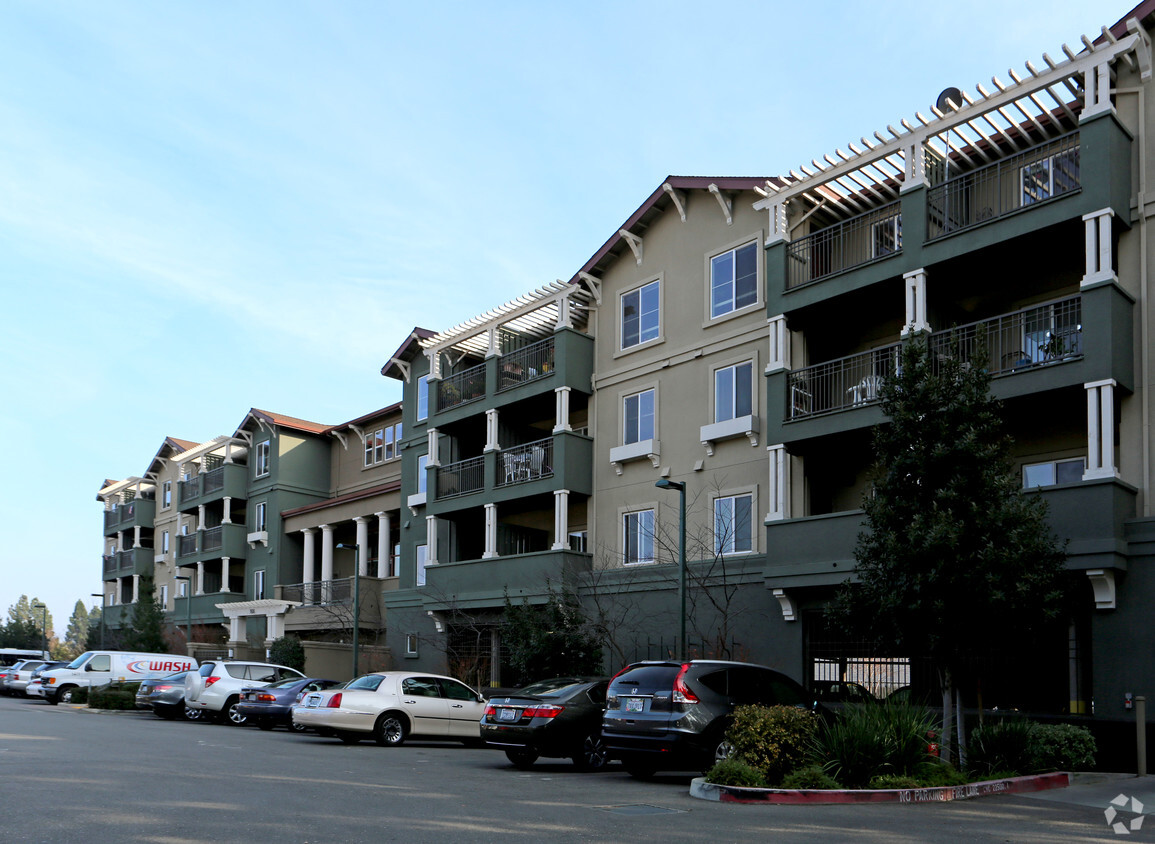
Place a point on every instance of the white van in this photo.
(96, 668)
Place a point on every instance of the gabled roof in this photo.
(168, 448)
(280, 420)
(398, 365)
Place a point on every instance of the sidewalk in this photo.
(1098, 790)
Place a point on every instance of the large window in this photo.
(166, 495)
(641, 315)
(164, 542)
(383, 444)
(1053, 472)
(422, 397)
(261, 459)
(1050, 176)
(733, 280)
(422, 474)
(733, 524)
(258, 585)
(733, 392)
(638, 537)
(260, 517)
(638, 417)
(422, 559)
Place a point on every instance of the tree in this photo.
(94, 631)
(23, 612)
(551, 639)
(288, 651)
(146, 621)
(955, 559)
(76, 637)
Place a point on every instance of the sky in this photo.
(207, 207)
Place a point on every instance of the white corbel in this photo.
(1142, 49)
(594, 285)
(403, 365)
(789, 608)
(1103, 585)
(726, 205)
(634, 242)
(678, 198)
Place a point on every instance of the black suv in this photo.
(674, 715)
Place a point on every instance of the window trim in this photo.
(1054, 465)
(422, 386)
(755, 239)
(166, 495)
(659, 337)
(623, 516)
(731, 494)
(259, 585)
(262, 458)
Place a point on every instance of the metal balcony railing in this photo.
(1033, 176)
(526, 364)
(840, 384)
(460, 478)
(1020, 340)
(214, 481)
(871, 236)
(111, 563)
(528, 462)
(189, 489)
(319, 592)
(186, 546)
(462, 387)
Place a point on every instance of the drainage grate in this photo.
(641, 809)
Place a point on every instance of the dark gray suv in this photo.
(674, 715)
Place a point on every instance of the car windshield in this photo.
(284, 684)
(648, 676)
(369, 682)
(80, 660)
(557, 687)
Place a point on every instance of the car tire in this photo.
(723, 750)
(391, 729)
(593, 755)
(231, 715)
(350, 738)
(192, 714)
(65, 695)
(521, 759)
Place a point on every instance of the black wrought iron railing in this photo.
(528, 462)
(526, 364)
(461, 387)
(868, 237)
(462, 477)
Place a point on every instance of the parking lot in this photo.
(133, 777)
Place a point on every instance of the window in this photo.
(422, 397)
(260, 522)
(258, 585)
(410, 644)
(638, 417)
(393, 441)
(383, 444)
(166, 495)
(420, 687)
(182, 589)
(638, 537)
(578, 541)
(261, 466)
(1053, 472)
(164, 542)
(1051, 176)
(164, 596)
(733, 392)
(454, 690)
(422, 558)
(640, 315)
(734, 280)
(733, 526)
(886, 237)
(422, 475)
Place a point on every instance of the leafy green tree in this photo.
(21, 634)
(551, 639)
(955, 559)
(146, 621)
(94, 639)
(25, 611)
(288, 651)
(76, 637)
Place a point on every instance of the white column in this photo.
(1097, 234)
(384, 546)
(491, 443)
(272, 627)
(915, 166)
(326, 553)
(235, 629)
(563, 314)
(430, 540)
(228, 517)
(200, 579)
(777, 221)
(779, 486)
(434, 366)
(915, 282)
(309, 571)
(362, 545)
(1097, 91)
(490, 532)
(1101, 430)
(560, 519)
(225, 573)
(434, 459)
(200, 519)
(491, 350)
(136, 537)
(135, 588)
(779, 344)
(561, 410)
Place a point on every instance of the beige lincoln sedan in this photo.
(393, 705)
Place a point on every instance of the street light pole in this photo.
(680, 486)
(43, 627)
(103, 598)
(188, 610)
(356, 603)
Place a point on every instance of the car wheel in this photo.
(191, 714)
(522, 759)
(593, 755)
(723, 750)
(66, 694)
(232, 715)
(640, 770)
(349, 738)
(390, 730)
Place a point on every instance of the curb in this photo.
(83, 707)
(782, 796)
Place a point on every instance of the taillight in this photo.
(210, 680)
(491, 712)
(543, 711)
(158, 689)
(266, 697)
(681, 693)
(334, 701)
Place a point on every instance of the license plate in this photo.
(507, 715)
(635, 704)
(312, 701)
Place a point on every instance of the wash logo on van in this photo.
(143, 666)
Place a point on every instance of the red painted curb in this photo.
(782, 796)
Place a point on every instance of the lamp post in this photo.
(43, 626)
(103, 598)
(356, 602)
(680, 486)
(188, 609)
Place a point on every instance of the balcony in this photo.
(226, 540)
(487, 583)
(201, 609)
(461, 478)
(139, 512)
(529, 462)
(461, 388)
(1030, 178)
(229, 480)
(868, 237)
(842, 384)
(526, 364)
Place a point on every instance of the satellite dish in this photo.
(943, 103)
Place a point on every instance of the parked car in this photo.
(9, 673)
(215, 688)
(272, 706)
(98, 668)
(17, 680)
(841, 691)
(165, 697)
(390, 706)
(34, 687)
(674, 715)
(558, 718)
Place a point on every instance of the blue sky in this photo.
(207, 207)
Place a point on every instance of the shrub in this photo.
(289, 652)
(811, 777)
(1005, 745)
(935, 774)
(873, 739)
(109, 697)
(736, 772)
(80, 695)
(893, 781)
(773, 739)
(1063, 747)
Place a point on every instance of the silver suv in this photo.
(215, 689)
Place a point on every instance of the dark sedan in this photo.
(270, 706)
(559, 718)
(165, 697)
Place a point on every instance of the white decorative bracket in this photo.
(1103, 585)
(594, 284)
(726, 205)
(1142, 49)
(678, 198)
(438, 621)
(634, 242)
(789, 608)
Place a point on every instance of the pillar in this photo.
(326, 556)
(779, 486)
(135, 588)
(915, 283)
(200, 579)
(1097, 234)
(561, 410)
(384, 547)
(309, 574)
(491, 438)
(779, 344)
(490, 532)
(228, 517)
(1101, 430)
(362, 545)
(430, 540)
(225, 573)
(560, 519)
